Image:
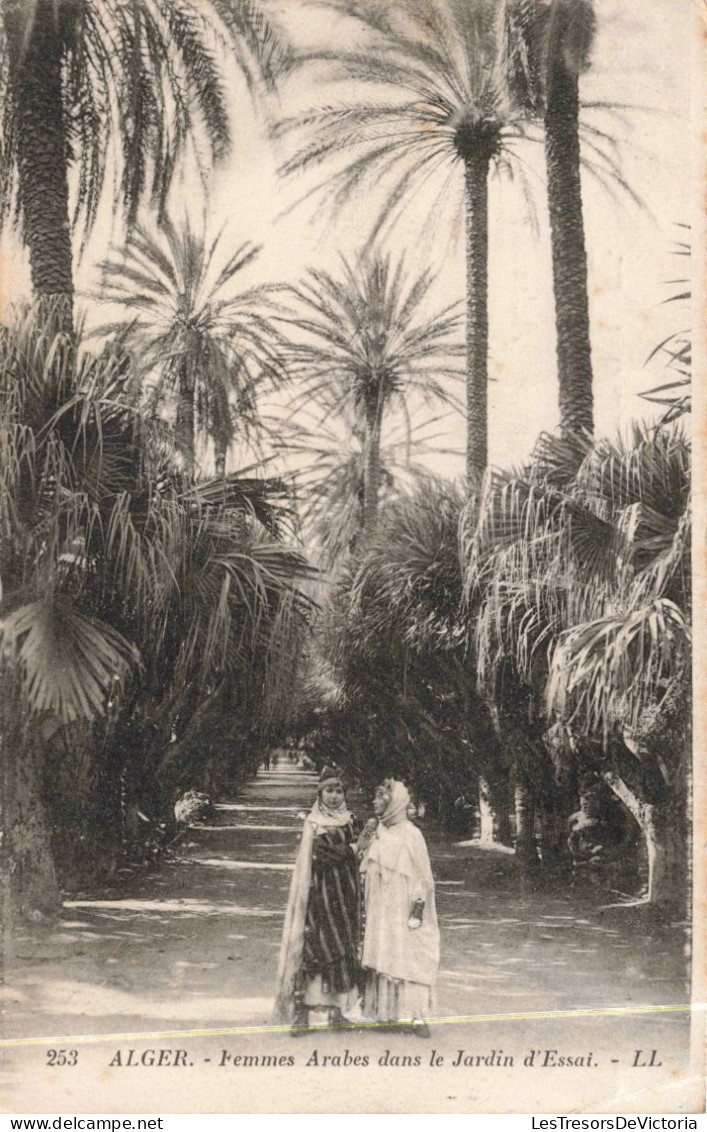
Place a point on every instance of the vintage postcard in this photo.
(352, 758)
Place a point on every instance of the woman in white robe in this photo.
(401, 940)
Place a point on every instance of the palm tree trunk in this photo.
(185, 426)
(569, 256)
(220, 461)
(555, 810)
(29, 884)
(35, 53)
(486, 822)
(371, 475)
(83, 793)
(494, 816)
(476, 172)
(665, 839)
(526, 845)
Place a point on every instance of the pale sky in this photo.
(643, 55)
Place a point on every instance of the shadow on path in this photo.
(193, 942)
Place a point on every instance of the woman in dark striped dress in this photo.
(319, 967)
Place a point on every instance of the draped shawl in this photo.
(319, 820)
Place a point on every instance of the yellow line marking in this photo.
(159, 1035)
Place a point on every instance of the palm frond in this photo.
(677, 348)
(192, 331)
(69, 664)
(143, 83)
(606, 673)
(431, 68)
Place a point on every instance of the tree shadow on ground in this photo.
(193, 941)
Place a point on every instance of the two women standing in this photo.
(319, 959)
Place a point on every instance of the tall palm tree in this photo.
(84, 83)
(193, 331)
(435, 101)
(362, 341)
(545, 47)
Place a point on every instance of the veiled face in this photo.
(333, 795)
(380, 801)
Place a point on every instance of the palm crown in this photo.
(330, 483)
(361, 343)
(437, 100)
(536, 36)
(193, 331)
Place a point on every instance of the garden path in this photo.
(191, 944)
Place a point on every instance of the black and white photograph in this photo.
(350, 742)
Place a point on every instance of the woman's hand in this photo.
(366, 835)
(416, 912)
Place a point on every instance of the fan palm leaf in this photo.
(187, 577)
(588, 580)
(408, 583)
(69, 663)
(605, 674)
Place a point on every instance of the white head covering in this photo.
(396, 810)
(395, 838)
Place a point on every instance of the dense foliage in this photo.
(517, 648)
(148, 623)
(525, 639)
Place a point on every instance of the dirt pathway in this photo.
(192, 944)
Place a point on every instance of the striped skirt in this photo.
(332, 927)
